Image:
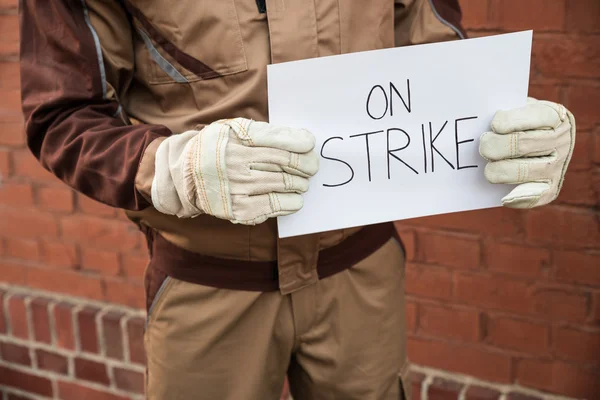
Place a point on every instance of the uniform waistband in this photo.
(260, 275)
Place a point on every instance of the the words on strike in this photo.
(376, 110)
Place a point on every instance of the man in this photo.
(154, 106)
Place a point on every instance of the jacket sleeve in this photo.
(427, 21)
(77, 57)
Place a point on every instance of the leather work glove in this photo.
(530, 146)
(240, 170)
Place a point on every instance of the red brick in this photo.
(567, 56)
(488, 365)
(481, 393)
(22, 249)
(582, 101)
(492, 292)
(442, 389)
(5, 164)
(8, 5)
(16, 194)
(65, 282)
(135, 265)
(518, 260)
(60, 254)
(74, 391)
(521, 396)
(559, 377)
(12, 132)
(540, 15)
(578, 189)
(3, 317)
(415, 380)
(545, 92)
(88, 330)
(27, 166)
(458, 251)
(28, 223)
(595, 148)
(475, 14)
(10, 101)
(126, 293)
(449, 322)
(92, 207)
(411, 316)
(563, 226)
(130, 381)
(595, 314)
(63, 324)
(100, 232)
(112, 334)
(91, 371)
(560, 305)
(9, 73)
(41, 320)
(577, 345)
(103, 261)
(17, 397)
(135, 333)
(583, 152)
(576, 266)
(25, 381)
(56, 198)
(17, 310)
(12, 272)
(409, 240)
(519, 335)
(53, 362)
(428, 281)
(494, 221)
(583, 15)
(9, 28)
(15, 353)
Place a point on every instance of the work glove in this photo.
(530, 146)
(240, 170)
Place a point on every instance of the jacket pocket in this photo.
(158, 296)
(186, 41)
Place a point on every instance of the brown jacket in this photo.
(104, 80)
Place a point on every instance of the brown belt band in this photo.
(261, 275)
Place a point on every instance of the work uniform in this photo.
(231, 308)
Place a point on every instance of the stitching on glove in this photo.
(285, 182)
(220, 173)
(199, 173)
(278, 202)
(244, 131)
(270, 202)
(302, 173)
(511, 146)
(572, 129)
(191, 158)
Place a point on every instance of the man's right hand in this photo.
(238, 169)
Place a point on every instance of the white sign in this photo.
(398, 129)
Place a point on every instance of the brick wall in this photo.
(505, 296)
(76, 349)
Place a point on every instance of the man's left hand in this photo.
(530, 146)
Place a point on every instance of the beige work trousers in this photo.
(340, 338)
